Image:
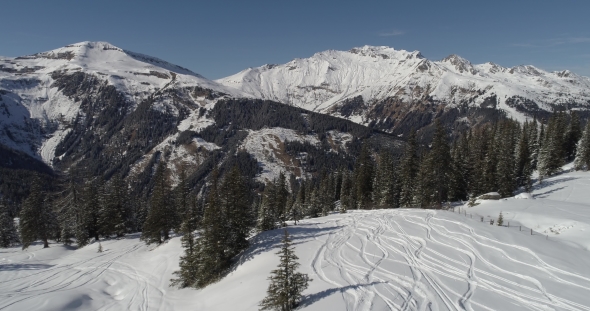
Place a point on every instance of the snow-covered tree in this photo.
(8, 234)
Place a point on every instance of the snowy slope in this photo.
(404, 259)
(36, 113)
(325, 80)
(559, 208)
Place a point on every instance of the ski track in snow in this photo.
(382, 242)
(398, 259)
(103, 267)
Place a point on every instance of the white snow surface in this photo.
(378, 72)
(558, 208)
(401, 259)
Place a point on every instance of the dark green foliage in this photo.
(235, 201)
(572, 136)
(162, 214)
(273, 210)
(114, 214)
(211, 247)
(189, 264)
(435, 171)
(408, 171)
(582, 161)
(553, 153)
(363, 179)
(286, 284)
(37, 219)
(8, 234)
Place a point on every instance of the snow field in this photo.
(400, 259)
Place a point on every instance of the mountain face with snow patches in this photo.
(386, 88)
(102, 110)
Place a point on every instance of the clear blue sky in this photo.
(219, 38)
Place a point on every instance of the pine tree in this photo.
(161, 214)
(88, 215)
(364, 178)
(552, 155)
(8, 234)
(286, 285)
(385, 182)
(267, 217)
(524, 157)
(506, 162)
(37, 219)
(67, 208)
(346, 201)
(434, 172)
(235, 201)
(181, 198)
(189, 264)
(299, 205)
(500, 219)
(582, 161)
(111, 218)
(409, 167)
(210, 250)
(573, 135)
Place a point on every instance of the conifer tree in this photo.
(552, 155)
(299, 204)
(505, 145)
(409, 167)
(89, 214)
(346, 200)
(181, 197)
(459, 171)
(286, 285)
(67, 209)
(8, 234)
(524, 158)
(111, 218)
(500, 219)
(573, 135)
(267, 217)
(434, 171)
(161, 214)
(235, 201)
(582, 161)
(189, 262)
(211, 255)
(37, 219)
(364, 178)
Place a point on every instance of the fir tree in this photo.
(211, 248)
(364, 178)
(112, 213)
(552, 155)
(37, 219)
(267, 217)
(500, 220)
(161, 214)
(582, 161)
(409, 167)
(181, 198)
(286, 285)
(235, 201)
(8, 234)
(346, 200)
(573, 135)
(189, 264)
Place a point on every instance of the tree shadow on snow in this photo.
(13, 267)
(308, 300)
(271, 240)
(550, 183)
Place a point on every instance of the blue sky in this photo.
(219, 38)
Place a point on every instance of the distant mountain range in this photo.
(95, 107)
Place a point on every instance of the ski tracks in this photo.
(414, 260)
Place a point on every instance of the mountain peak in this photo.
(384, 52)
(459, 63)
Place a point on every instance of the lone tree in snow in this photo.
(500, 219)
(286, 285)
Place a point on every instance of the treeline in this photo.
(496, 157)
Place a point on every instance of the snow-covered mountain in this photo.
(105, 110)
(35, 107)
(381, 85)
